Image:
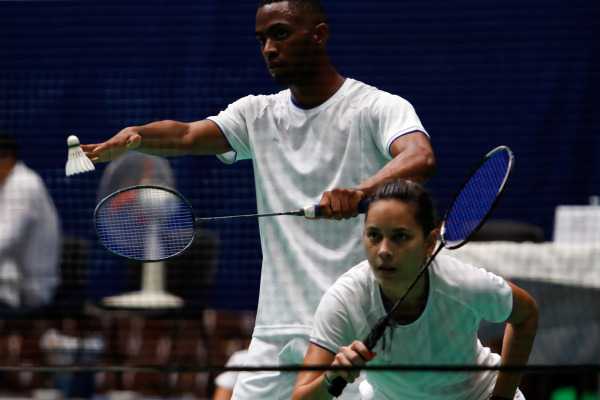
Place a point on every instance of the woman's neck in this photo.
(412, 305)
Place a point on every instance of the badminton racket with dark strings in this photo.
(152, 223)
(468, 211)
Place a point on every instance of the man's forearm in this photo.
(417, 165)
(164, 138)
(173, 138)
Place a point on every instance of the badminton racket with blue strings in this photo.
(470, 208)
(152, 223)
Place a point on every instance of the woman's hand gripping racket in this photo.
(468, 211)
(151, 223)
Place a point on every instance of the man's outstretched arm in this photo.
(165, 138)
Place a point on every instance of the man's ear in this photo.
(321, 33)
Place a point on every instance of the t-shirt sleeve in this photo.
(233, 124)
(492, 296)
(390, 117)
(330, 327)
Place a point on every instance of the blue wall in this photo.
(480, 74)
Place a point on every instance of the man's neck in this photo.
(319, 90)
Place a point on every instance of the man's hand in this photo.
(127, 139)
(355, 355)
(340, 203)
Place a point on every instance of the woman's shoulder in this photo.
(345, 310)
(360, 273)
(454, 274)
(354, 282)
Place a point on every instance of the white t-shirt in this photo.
(460, 297)
(29, 240)
(297, 154)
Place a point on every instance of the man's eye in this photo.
(280, 34)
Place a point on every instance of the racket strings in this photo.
(476, 199)
(145, 223)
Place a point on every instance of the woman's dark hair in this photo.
(409, 192)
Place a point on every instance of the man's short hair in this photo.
(313, 7)
(8, 146)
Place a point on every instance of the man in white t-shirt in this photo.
(326, 139)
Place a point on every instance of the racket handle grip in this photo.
(336, 386)
(314, 211)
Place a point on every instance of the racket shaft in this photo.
(204, 219)
(313, 211)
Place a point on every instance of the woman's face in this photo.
(395, 243)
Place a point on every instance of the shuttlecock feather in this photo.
(77, 161)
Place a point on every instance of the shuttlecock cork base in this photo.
(77, 161)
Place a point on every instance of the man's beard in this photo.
(301, 75)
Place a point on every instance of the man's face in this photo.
(287, 42)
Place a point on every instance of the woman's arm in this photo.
(519, 334)
(312, 385)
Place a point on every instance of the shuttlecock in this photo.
(366, 390)
(77, 161)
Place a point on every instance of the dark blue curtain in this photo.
(480, 74)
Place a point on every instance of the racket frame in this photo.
(500, 191)
(185, 201)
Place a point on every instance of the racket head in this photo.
(477, 197)
(145, 223)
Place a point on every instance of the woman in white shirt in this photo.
(436, 324)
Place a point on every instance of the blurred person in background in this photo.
(30, 238)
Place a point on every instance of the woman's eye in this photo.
(400, 237)
(373, 236)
